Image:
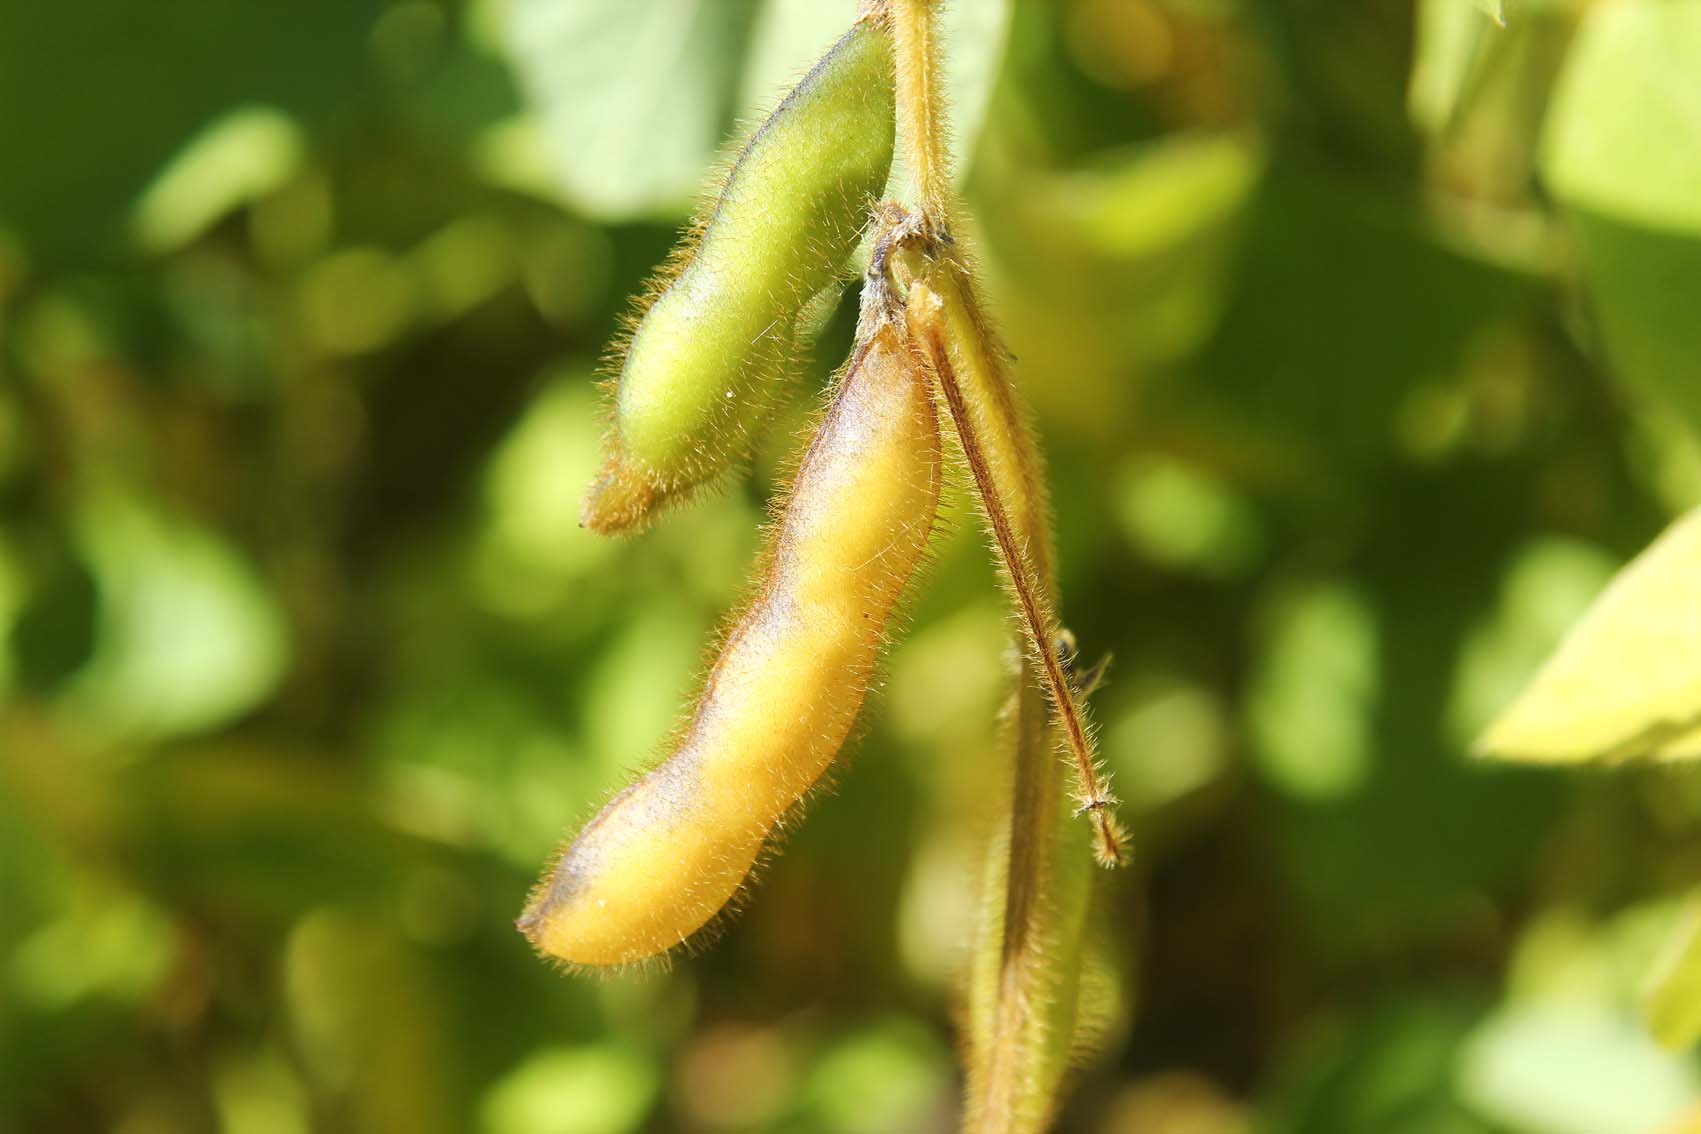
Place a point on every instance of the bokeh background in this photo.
(1360, 337)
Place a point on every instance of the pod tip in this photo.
(621, 499)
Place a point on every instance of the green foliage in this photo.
(1623, 153)
(1623, 683)
(1363, 360)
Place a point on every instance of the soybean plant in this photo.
(706, 362)
(670, 853)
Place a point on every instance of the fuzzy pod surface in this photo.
(667, 853)
(707, 359)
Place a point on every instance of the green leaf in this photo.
(1571, 1067)
(1625, 134)
(96, 98)
(1313, 699)
(1453, 42)
(1644, 284)
(788, 36)
(592, 1089)
(1494, 10)
(1626, 681)
(1671, 1000)
(1623, 153)
(188, 636)
(887, 1075)
(634, 97)
(974, 35)
(246, 153)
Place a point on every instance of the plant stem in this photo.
(921, 120)
(1028, 589)
(1024, 548)
(1023, 990)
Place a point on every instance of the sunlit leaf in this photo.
(242, 155)
(261, 1095)
(634, 97)
(1453, 40)
(974, 36)
(1183, 517)
(188, 635)
(109, 944)
(596, 1089)
(1572, 1068)
(1671, 999)
(1313, 700)
(1545, 590)
(886, 1076)
(1623, 152)
(1626, 681)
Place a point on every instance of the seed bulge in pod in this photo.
(668, 853)
(709, 356)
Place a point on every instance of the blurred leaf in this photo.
(370, 1020)
(245, 153)
(533, 546)
(107, 943)
(13, 593)
(260, 1094)
(595, 1089)
(788, 36)
(1182, 517)
(1342, 305)
(1171, 740)
(1643, 281)
(1313, 701)
(1542, 594)
(973, 37)
(188, 636)
(633, 96)
(1454, 38)
(147, 77)
(1624, 139)
(886, 1076)
(1671, 998)
(1387, 1070)
(1479, 91)
(56, 624)
(1123, 260)
(258, 833)
(1572, 1068)
(1623, 153)
(1494, 9)
(1626, 681)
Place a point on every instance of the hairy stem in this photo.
(1032, 601)
(1023, 987)
(921, 119)
(1023, 995)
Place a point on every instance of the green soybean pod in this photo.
(707, 359)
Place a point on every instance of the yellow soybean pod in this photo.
(707, 359)
(667, 853)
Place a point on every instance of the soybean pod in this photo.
(708, 358)
(669, 852)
